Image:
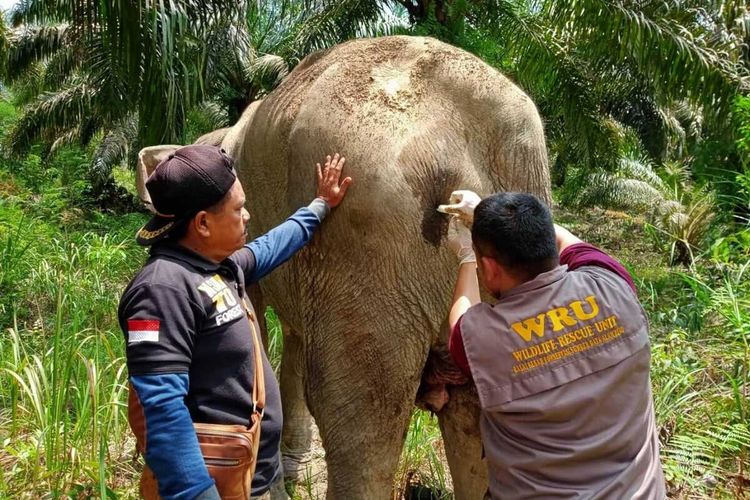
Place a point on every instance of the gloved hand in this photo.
(459, 240)
(462, 204)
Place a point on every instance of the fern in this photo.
(689, 459)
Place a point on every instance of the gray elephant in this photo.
(366, 300)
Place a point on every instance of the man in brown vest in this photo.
(560, 361)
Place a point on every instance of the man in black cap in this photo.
(189, 352)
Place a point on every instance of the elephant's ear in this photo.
(148, 159)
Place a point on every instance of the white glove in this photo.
(459, 240)
(461, 204)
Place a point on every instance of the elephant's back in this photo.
(407, 112)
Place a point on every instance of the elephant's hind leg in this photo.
(362, 452)
(361, 396)
(459, 424)
(446, 390)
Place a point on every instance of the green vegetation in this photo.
(647, 114)
(700, 326)
(127, 74)
(63, 425)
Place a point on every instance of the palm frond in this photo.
(113, 149)
(150, 53)
(59, 111)
(683, 214)
(274, 39)
(29, 85)
(641, 169)
(4, 43)
(676, 175)
(29, 45)
(689, 227)
(546, 70)
(654, 37)
(633, 185)
(215, 115)
(65, 139)
(228, 51)
(174, 78)
(332, 21)
(267, 71)
(678, 134)
(620, 193)
(271, 25)
(60, 67)
(42, 11)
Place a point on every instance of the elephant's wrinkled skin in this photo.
(416, 119)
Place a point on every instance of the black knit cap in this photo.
(191, 179)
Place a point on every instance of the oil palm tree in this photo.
(130, 72)
(122, 71)
(585, 62)
(112, 58)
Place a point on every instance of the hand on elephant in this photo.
(329, 189)
(462, 204)
(459, 240)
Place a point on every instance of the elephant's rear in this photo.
(416, 119)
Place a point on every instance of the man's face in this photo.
(228, 226)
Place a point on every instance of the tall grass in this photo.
(275, 345)
(63, 424)
(423, 472)
(62, 378)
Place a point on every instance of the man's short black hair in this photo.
(516, 229)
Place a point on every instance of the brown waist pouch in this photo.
(229, 451)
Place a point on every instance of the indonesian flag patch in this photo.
(143, 330)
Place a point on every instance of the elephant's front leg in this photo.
(297, 432)
(360, 388)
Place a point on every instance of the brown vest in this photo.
(561, 365)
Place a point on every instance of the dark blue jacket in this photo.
(190, 354)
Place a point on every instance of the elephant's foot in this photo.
(297, 443)
(362, 423)
(310, 474)
(295, 464)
